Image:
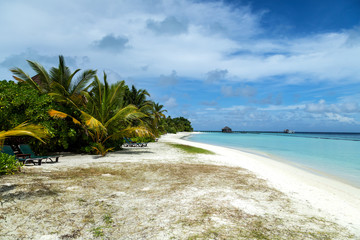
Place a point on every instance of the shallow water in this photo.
(329, 154)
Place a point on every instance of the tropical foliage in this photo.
(79, 111)
(20, 103)
(35, 131)
(59, 82)
(8, 164)
(174, 125)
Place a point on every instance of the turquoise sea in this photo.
(335, 155)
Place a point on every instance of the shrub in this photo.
(19, 103)
(9, 164)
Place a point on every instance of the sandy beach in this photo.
(335, 199)
(162, 192)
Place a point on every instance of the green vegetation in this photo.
(107, 218)
(97, 232)
(191, 149)
(8, 164)
(174, 125)
(79, 112)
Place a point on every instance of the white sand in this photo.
(334, 200)
(311, 195)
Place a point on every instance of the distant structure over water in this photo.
(289, 131)
(226, 130)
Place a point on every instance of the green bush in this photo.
(9, 164)
(19, 103)
(142, 139)
(174, 125)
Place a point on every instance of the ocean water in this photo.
(335, 155)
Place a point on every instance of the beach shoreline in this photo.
(338, 175)
(335, 198)
(163, 192)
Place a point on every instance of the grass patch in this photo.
(107, 218)
(97, 232)
(191, 149)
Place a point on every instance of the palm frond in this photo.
(139, 131)
(64, 99)
(57, 114)
(127, 114)
(92, 123)
(69, 80)
(58, 88)
(43, 74)
(25, 129)
(21, 76)
(119, 86)
(82, 81)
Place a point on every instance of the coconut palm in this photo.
(156, 114)
(158, 111)
(106, 116)
(58, 82)
(106, 104)
(137, 97)
(24, 129)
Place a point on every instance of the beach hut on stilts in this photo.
(226, 130)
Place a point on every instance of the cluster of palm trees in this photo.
(103, 110)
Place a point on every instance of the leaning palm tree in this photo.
(58, 82)
(24, 129)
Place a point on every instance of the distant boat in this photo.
(289, 131)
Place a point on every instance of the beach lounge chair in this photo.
(26, 149)
(130, 143)
(138, 144)
(23, 158)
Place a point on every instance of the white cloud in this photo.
(207, 41)
(283, 108)
(216, 75)
(323, 107)
(246, 91)
(170, 103)
(169, 26)
(112, 43)
(339, 118)
(169, 80)
(210, 31)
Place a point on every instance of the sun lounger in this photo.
(129, 143)
(23, 158)
(26, 149)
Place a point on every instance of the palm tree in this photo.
(106, 116)
(59, 82)
(137, 97)
(24, 129)
(156, 113)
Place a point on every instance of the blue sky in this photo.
(252, 65)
